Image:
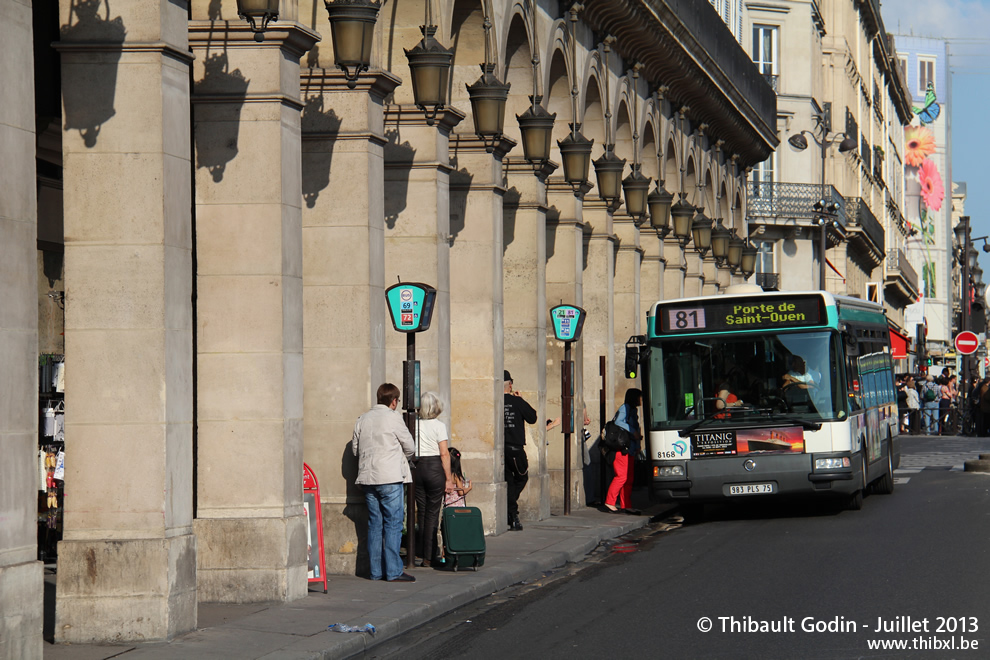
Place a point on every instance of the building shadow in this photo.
(88, 103)
(510, 207)
(460, 188)
(319, 136)
(218, 123)
(399, 157)
(553, 218)
(355, 511)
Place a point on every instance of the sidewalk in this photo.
(298, 630)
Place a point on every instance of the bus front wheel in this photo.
(885, 484)
(855, 502)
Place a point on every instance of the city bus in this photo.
(757, 394)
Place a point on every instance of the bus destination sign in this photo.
(742, 314)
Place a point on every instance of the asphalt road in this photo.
(771, 580)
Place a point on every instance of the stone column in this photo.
(694, 276)
(476, 314)
(526, 313)
(724, 278)
(344, 311)
(652, 271)
(418, 234)
(21, 579)
(564, 277)
(676, 269)
(709, 285)
(629, 319)
(127, 562)
(599, 295)
(249, 516)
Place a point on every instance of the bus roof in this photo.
(750, 309)
(831, 300)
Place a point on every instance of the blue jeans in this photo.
(930, 416)
(384, 528)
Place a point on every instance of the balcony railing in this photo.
(859, 217)
(898, 266)
(771, 199)
(772, 79)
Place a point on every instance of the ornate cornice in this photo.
(727, 93)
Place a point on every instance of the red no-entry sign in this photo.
(967, 342)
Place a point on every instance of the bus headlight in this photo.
(668, 470)
(832, 463)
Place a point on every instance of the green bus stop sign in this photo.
(568, 320)
(410, 306)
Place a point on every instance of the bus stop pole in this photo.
(410, 418)
(567, 401)
(602, 468)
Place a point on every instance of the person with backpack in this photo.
(617, 500)
(930, 395)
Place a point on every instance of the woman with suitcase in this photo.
(432, 475)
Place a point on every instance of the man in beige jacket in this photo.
(383, 445)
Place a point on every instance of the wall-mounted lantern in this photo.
(352, 29)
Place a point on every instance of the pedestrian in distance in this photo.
(383, 446)
(432, 475)
(618, 498)
(911, 422)
(929, 403)
(517, 413)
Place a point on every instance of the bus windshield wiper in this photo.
(808, 425)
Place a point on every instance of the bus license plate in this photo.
(750, 489)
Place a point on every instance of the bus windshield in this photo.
(727, 379)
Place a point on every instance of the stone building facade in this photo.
(836, 76)
(212, 221)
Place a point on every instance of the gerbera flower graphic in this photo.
(919, 144)
(932, 190)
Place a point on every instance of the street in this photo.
(905, 577)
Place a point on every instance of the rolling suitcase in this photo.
(463, 537)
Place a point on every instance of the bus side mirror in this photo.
(633, 355)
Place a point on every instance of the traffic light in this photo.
(632, 355)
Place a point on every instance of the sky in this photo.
(970, 63)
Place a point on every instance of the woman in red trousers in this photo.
(618, 499)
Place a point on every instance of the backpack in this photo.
(615, 438)
(930, 393)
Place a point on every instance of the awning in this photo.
(898, 345)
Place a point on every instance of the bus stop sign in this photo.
(410, 306)
(967, 342)
(568, 321)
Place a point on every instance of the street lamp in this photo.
(823, 125)
(352, 28)
(608, 171)
(659, 202)
(635, 187)
(429, 67)
(736, 248)
(701, 232)
(575, 151)
(536, 128)
(258, 13)
(680, 214)
(747, 262)
(720, 242)
(488, 96)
